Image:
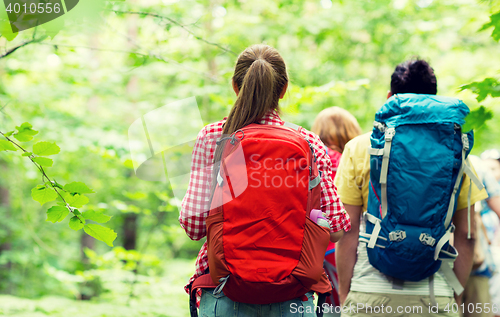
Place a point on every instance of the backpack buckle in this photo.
(427, 239)
(397, 236)
(389, 134)
(465, 141)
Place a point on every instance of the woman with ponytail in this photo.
(260, 80)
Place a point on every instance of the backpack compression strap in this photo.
(313, 182)
(385, 153)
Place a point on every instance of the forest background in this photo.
(81, 82)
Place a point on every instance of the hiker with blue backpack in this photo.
(255, 184)
(408, 188)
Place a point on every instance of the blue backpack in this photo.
(417, 159)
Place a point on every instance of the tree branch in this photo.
(12, 50)
(145, 55)
(178, 24)
(44, 175)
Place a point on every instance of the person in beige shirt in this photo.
(363, 286)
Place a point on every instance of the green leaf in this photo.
(75, 223)
(101, 233)
(43, 161)
(43, 194)
(76, 200)
(7, 146)
(46, 148)
(27, 154)
(25, 132)
(489, 86)
(78, 188)
(57, 213)
(477, 118)
(8, 134)
(495, 23)
(96, 216)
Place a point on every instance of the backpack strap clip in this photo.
(397, 236)
(379, 126)
(427, 239)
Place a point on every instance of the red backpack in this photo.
(262, 246)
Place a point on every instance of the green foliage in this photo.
(77, 188)
(75, 200)
(84, 88)
(96, 216)
(477, 118)
(25, 132)
(57, 213)
(100, 233)
(70, 196)
(488, 86)
(7, 146)
(42, 161)
(46, 148)
(76, 223)
(495, 24)
(43, 194)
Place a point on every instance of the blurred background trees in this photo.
(85, 85)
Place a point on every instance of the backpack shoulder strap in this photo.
(291, 126)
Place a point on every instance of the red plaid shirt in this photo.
(195, 205)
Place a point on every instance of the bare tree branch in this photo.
(145, 55)
(178, 24)
(12, 50)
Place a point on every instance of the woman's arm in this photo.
(195, 205)
(330, 202)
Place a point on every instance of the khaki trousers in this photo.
(359, 304)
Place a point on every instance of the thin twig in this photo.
(12, 50)
(145, 55)
(178, 24)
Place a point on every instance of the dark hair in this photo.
(414, 76)
(260, 75)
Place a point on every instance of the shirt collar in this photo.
(272, 117)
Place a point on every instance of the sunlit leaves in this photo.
(25, 132)
(7, 146)
(495, 23)
(477, 118)
(489, 86)
(57, 213)
(75, 200)
(46, 148)
(43, 161)
(27, 154)
(96, 216)
(75, 223)
(100, 233)
(42, 194)
(78, 188)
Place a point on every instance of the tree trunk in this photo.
(5, 245)
(130, 232)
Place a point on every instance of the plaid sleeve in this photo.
(330, 202)
(194, 207)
